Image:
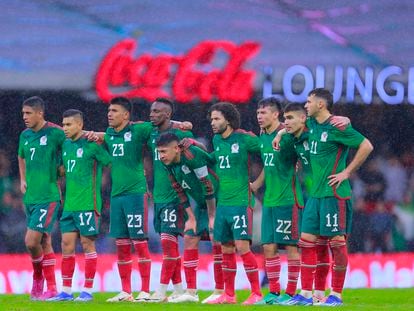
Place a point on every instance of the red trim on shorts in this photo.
(50, 212)
(341, 201)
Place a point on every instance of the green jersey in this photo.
(126, 150)
(301, 144)
(329, 148)
(83, 162)
(282, 186)
(194, 175)
(163, 191)
(41, 152)
(232, 166)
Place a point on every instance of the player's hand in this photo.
(185, 143)
(276, 142)
(340, 122)
(23, 186)
(149, 195)
(186, 126)
(90, 135)
(254, 187)
(190, 224)
(337, 179)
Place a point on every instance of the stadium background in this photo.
(55, 49)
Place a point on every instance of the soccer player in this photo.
(128, 213)
(169, 214)
(233, 223)
(82, 166)
(190, 173)
(38, 156)
(328, 211)
(282, 203)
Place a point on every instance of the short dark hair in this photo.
(35, 102)
(324, 94)
(166, 138)
(272, 102)
(295, 107)
(73, 113)
(229, 111)
(122, 101)
(167, 102)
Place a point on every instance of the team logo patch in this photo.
(235, 148)
(127, 136)
(79, 153)
(306, 145)
(185, 169)
(43, 140)
(324, 136)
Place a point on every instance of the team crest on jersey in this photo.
(43, 140)
(324, 136)
(127, 136)
(306, 145)
(235, 148)
(79, 153)
(185, 169)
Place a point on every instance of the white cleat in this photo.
(318, 300)
(174, 295)
(184, 297)
(156, 297)
(122, 296)
(142, 297)
(216, 294)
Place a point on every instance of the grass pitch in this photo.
(355, 299)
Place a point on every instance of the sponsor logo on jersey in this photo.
(261, 146)
(26, 143)
(286, 237)
(140, 231)
(39, 226)
(306, 145)
(334, 230)
(127, 136)
(172, 226)
(218, 148)
(185, 169)
(91, 229)
(243, 232)
(43, 140)
(235, 148)
(64, 153)
(112, 138)
(324, 136)
(79, 153)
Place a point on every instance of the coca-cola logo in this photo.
(189, 77)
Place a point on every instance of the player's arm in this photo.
(102, 155)
(186, 142)
(184, 126)
(364, 149)
(22, 172)
(255, 185)
(94, 136)
(278, 138)
(340, 122)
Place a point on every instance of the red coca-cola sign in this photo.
(186, 78)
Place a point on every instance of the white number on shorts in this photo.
(170, 216)
(284, 226)
(329, 223)
(268, 159)
(32, 153)
(118, 150)
(43, 213)
(88, 216)
(237, 219)
(134, 218)
(224, 162)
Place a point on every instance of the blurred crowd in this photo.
(383, 218)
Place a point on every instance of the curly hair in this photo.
(229, 112)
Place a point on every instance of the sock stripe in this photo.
(123, 242)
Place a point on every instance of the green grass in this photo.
(355, 299)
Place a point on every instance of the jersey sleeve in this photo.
(348, 137)
(287, 149)
(182, 196)
(198, 161)
(20, 151)
(60, 138)
(101, 155)
(252, 142)
(143, 129)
